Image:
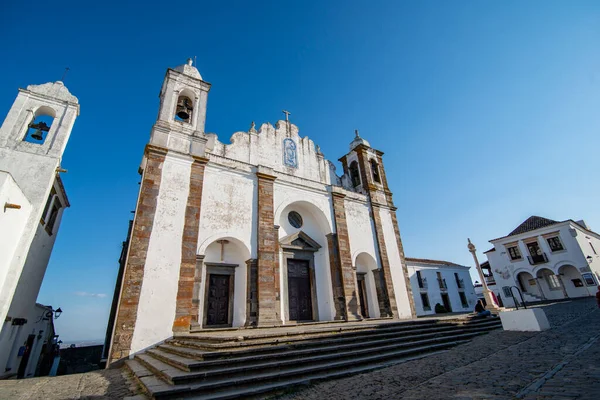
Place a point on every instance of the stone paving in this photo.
(562, 363)
(500, 365)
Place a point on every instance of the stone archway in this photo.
(368, 280)
(549, 284)
(220, 283)
(572, 281)
(529, 285)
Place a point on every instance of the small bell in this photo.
(37, 135)
(39, 128)
(184, 108)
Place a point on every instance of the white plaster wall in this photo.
(316, 211)
(393, 254)
(265, 147)
(156, 309)
(12, 221)
(229, 207)
(361, 230)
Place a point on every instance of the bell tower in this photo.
(33, 138)
(364, 173)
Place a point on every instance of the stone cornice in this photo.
(262, 175)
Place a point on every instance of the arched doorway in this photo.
(549, 284)
(573, 281)
(529, 285)
(366, 275)
(305, 274)
(223, 284)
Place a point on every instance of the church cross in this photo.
(287, 115)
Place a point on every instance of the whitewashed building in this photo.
(259, 232)
(546, 260)
(33, 138)
(440, 282)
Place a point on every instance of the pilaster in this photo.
(136, 258)
(339, 301)
(348, 281)
(411, 299)
(197, 286)
(391, 309)
(252, 292)
(268, 297)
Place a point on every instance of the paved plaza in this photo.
(562, 363)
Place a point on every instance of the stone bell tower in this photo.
(164, 238)
(364, 172)
(33, 138)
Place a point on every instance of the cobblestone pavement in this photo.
(561, 363)
(96, 385)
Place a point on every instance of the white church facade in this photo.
(259, 232)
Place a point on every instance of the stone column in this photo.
(268, 297)
(391, 309)
(136, 258)
(379, 288)
(339, 301)
(251, 292)
(352, 309)
(189, 244)
(197, 286)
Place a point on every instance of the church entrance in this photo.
(299, 291)
(362, 295)
(218, 300)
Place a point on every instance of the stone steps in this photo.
(175, 371)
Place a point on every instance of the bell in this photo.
(183, 109)
(37, 135)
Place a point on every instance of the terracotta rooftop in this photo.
(531, 224)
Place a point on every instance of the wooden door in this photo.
(299, 294)
(218, 300)
(362, 296)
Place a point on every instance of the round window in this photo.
(295, 219)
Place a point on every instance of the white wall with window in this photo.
(546, 260)
(440, 282)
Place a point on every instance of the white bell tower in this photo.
(33, 138)
(182, 111)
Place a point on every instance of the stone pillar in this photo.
(378, 279)
(197, 286)
(136, 258)
(411, 299)
(339, 301)
(269, 309)
(351, 305)
(391, 309)
(189, 244)
(251, 292)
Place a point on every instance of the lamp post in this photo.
(486, 291)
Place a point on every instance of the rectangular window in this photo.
(420, 279)
(507, 291)
(514, 253)
(425, 301)
(553, 282)
(463, 300)
(593, 249)
(555, 244)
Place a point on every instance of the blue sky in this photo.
(488, 112)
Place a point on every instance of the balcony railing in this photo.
(442, 283)
(423, 283)
(538, 259)
(490, 280)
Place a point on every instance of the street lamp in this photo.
(486, 291)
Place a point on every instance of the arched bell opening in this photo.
(375, 170)
(184, 109)
(223, 289)
(39, 126)
(367, 276)
(354, 174)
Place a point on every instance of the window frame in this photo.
(517, 251)
(425, 296)
(552, 239)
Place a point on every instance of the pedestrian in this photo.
(482, 312)
(598, 297)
